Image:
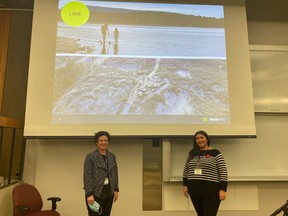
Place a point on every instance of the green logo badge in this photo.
(204, 119)
(75, 13)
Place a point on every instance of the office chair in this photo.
(28, 201)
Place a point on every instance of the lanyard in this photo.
(199, 156)
(105, 158)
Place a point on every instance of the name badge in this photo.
(198, 171)
(106, 181)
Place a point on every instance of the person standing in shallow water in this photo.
(104, 31)
(205, 176)
(100, 176)
(116, 35)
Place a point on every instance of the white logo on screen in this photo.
(217, 119)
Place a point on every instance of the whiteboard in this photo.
(255, 159)
(269, 67)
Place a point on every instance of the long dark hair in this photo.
(195, 146)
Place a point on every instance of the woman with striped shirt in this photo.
(205, 176)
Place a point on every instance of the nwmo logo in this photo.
(217, 119)
(204, 119)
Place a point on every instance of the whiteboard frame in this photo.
(269, 96)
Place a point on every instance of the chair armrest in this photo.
(22, 209)
(54, 200)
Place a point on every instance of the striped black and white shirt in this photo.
(205, 172)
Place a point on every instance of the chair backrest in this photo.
(26, 195)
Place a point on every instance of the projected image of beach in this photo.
(142, 63)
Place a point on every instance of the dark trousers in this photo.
(106, 206)
(206, 205)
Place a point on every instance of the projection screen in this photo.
(160, 69)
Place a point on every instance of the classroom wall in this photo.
(56, 166)
(268, 33)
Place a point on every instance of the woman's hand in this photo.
(90, 199)
(222, 195)
(185, 191)
(115, 196)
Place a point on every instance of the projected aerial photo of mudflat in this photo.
(141, 87)
(172, 65)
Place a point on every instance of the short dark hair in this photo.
(101, 133)
(204, 134)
